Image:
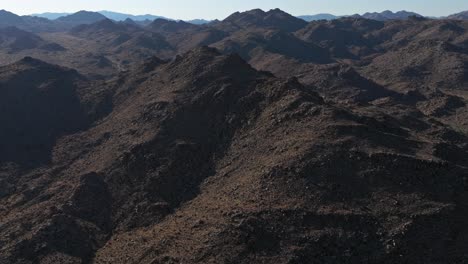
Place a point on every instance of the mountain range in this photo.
(108, 14)
(65, 21)
(389, 15)
(384, 15)
(259, 138)
(117, 17)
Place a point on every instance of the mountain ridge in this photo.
(261, 138)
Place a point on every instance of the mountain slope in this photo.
(459, 16)
(252, 44)
(15, 40)
(121, 17)
(37, 108)
(344, 37)
(167, 26)
(341, 141)
(81, 17)
(257, 18)
(185, 36)
(8, 18)
(124, 38)
(389, 15)
(29, 23)
(250, 186)
(208, 147)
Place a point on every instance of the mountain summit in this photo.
(274, 18)
(81, 17)
(460, 16)
(261, 138)
(389, 15)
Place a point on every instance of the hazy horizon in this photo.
(211, 9)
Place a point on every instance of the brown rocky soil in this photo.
(338, 141)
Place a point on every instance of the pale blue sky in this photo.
(211, 9)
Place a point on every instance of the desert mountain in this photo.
(29, 23)
(266, 49)
(8, 18)
(199, 21)
(309, 18)
(345, 37)
(53, 109)
(257, 18)
(124, 39)
(205, 144)
(168, 26)
(459, 16)
(389, 15)
(40, 24)
(261, 138)
(13, 40)
(81, 17)
(103, 27)
(116, 16)
(121, 17)
(50, 15)
(184, 36)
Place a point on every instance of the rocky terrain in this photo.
(459, 16)
(389, 15)
(261, 138)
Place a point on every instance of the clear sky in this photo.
(211, 9)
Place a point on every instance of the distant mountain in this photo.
(8, 18)
(129, 21)
(122, 37)
(143, 23)
(198, 21)
(258, 46)
(259, 139)
(101, 27)
(459, 16)
(51, 16)
(15, 40)
(340, 34)
(81, 17)
(109, 14)
(309, 18)
(162, 25)
(257, 18)
(389, 15)
(121, 16)
(142, 18)
(29, 23)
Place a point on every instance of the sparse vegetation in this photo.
(261, 138)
